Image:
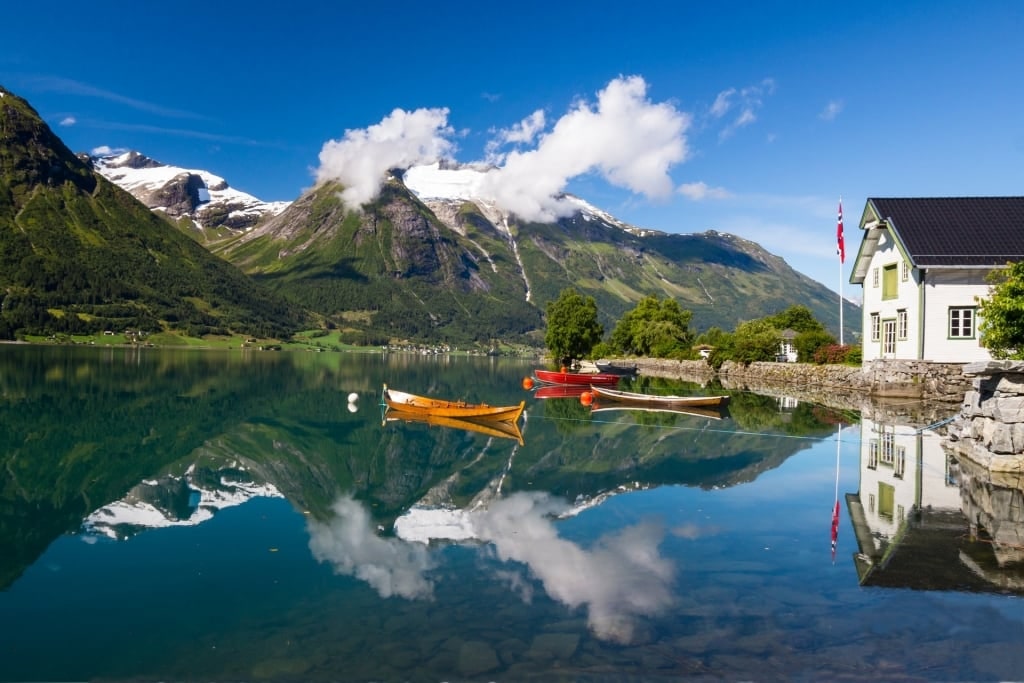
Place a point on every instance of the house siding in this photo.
(945, 289)
(907, 299)
(927, 308)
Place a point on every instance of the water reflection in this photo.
(351, 544)
(604, 547)
(926, 519)
(620, 578)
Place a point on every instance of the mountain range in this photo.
(99, 242)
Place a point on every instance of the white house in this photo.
(922, 262)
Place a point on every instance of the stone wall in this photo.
(990, 427)
(944, 382)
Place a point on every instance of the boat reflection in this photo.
(926, 519)
(560, 391)
(711, 413)
(498, 428)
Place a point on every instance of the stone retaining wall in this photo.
(920, 380)
(990, 427)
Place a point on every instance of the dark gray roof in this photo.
(956, 231)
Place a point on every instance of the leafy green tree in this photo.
(573, 328)
(658, 328)
(1002, 313)
(807, 343)
(755, 340)
(797, 318)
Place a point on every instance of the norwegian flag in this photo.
(840, 247)
(835, 529)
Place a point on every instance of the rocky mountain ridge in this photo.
(201, 196)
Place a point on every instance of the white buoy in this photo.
(353, 397)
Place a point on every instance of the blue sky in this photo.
(747, 118)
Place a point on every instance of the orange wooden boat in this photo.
(424, 405)
(500, 428)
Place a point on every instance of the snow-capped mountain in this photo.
(176, 501)
(205, 198)
(443, 186)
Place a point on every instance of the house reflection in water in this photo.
(925, 520)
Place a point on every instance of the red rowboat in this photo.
(576, 378)
(560, 391)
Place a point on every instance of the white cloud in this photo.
(362, 157)
(627, 578)
(831, 110)
(625, 138)
(749, 101)
(389, 565)
(523, 132)
(68, 121)
(701, 190)
(106, 151)
(722, 103)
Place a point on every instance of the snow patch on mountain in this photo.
(202, 196)
(174, 501)
(441, 181)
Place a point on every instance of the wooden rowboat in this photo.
(654, 400)
(497, 428)
(576, 378)
(560, 391)
(424, 405)
(713, 413)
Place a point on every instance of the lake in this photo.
(245, 515)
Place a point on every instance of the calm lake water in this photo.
(230, 516)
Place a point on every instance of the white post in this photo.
(841, 276)
(840, 302)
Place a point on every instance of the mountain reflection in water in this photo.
(246, 521)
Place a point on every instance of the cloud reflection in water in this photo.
(620, 579)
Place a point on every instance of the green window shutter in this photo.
(889, 284)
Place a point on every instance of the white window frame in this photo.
(874, 277)
(876, 327)
(889, 336)
(904, 271)
(965, 318)
(902, 324)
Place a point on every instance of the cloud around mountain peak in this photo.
(625, 138)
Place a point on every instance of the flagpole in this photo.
(835, 508)
(841, 259)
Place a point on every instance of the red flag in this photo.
(835, 528)
(841, 248)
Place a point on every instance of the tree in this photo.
(573, 328)
(755, 340)
(797, 318)
(658, 328)
(807, 343)
(1002, 313)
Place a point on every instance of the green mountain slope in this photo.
(394, 270)
(443, 271)
(80, 255)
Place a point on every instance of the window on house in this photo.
(876, 327)
(904, 271)
(874, 277)
(961, 323)
(889, 336)
(901, 323)
(890, 289)
(886, 500)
